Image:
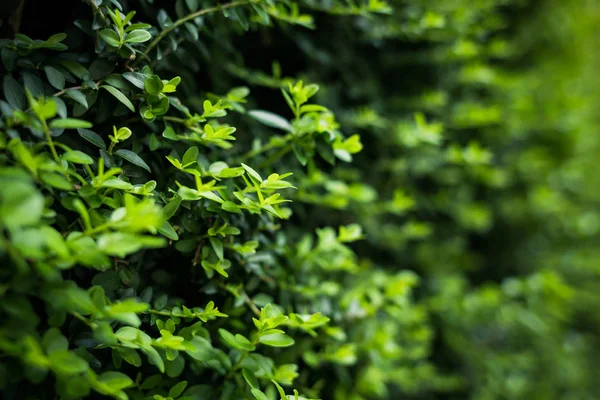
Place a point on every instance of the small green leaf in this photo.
(192, 5)
(230, 339)
(78, 97)
(171, 207)
(250, 378)
(14, 93)
(244, 343)
(110, 37)
(92, 137)
(153, 84)
(76, 69)
(53, 341)
(190, 156)
(56, 38)
(277, 340)
(135, 78)
(56, 180)
(55, 77)
(271, 119)
(130, 356)
(77, 157)
(176, 390)
(217, 246)
(65, 362)
(258, 394)
(114, 380)
(138, 36)
(33, 84)
(121, 244)
(70, 123)
(154, 358)
(133, 158)
(167, 230)
(252, 173)
(119, 96)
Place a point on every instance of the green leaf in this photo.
(121, 244)
(78, 97)
(244, 343)
(76, 69)
(192, 5)
(232, 341)
(119, 96)
(110, 37)
(250, 378)
(171, 208)
(92, 137)
(217, 246)
(154, 358)
(131, 356)
(138, 36)
(55, 77)
(277, 340)
(21, 204)
(271, 119)
(70, 123)
(167, 230)
(33, 84)
(65, 362)
(176, 390)
(114, 380)
(56, 180)
(153, 84)
(56, 38)
(258, 394)
(135, 78)
(53, 341)
(252, 173)
(101, 68)
(104, 333)
(133, 158)
(77, 157)
(190, 156)
(14, 93)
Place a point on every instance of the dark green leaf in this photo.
(119, 96)
(14, 93)
(133, 158)
(55, 77)
(110, 37)
(78, 96)
(77, 157)
(277, 340)
(135, 78)
(92, 137)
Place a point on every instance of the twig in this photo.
(97, 10)
(58, 94)
(197, 253)
(250, 303)
(183, 20)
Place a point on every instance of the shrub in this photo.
(409, 212)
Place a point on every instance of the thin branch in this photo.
(185, 19)
(250, 303)
(97, 10)
(58, 94)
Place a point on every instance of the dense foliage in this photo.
(265, 199)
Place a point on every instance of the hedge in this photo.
(267, 199)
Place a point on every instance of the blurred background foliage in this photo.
(477, 275)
